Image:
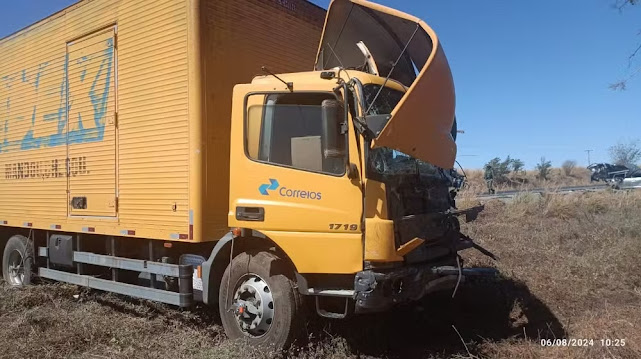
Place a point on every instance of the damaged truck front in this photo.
(380, 155)
(408, 129)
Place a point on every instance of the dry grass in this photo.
(578, 254)
(570, 269)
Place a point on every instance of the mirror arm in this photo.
(346, 109)
(361, 127)
(359, 121)
(352, 170)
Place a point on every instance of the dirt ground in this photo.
(570, 269)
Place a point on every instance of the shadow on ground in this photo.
(197, 317)
(483, 310)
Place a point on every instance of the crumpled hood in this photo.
(421, 123)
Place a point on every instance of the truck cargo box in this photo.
(115, 114)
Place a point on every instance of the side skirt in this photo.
(184, 297)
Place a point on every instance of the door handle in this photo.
(254, 214)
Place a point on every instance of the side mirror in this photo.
(454, 129)
(333, 114)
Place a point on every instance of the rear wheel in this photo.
(259, 302)
(17, 261)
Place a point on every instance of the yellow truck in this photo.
(216, 151)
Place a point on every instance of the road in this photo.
(511, 194)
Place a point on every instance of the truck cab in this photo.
(347, 171)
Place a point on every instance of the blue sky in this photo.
(531, 76)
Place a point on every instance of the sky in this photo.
(532, 77)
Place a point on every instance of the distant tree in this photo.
(544, 168)
(517, 165)
(634, 68)
(502, 168)
(626, 154)
(499, 169)
(568, 167)
(620, 4)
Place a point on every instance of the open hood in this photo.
(421, 123)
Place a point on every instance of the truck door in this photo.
(288, 179)
(91, 111)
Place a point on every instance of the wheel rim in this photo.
(253, 305)
(16, 268)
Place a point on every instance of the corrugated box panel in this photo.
(93, 105)
(238, 37)
(153, 114)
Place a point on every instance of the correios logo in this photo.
(273, 185)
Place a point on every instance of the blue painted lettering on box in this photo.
(30, 85)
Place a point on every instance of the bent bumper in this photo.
(377, 291)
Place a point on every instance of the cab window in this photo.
(287, 130)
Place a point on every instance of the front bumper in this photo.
(377, 291)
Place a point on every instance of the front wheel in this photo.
(259, 302)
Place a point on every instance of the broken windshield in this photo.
(385, 161)
(385, 102)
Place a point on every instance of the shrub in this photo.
(517, 165)
(568, 167)
(543, 168)
(501, 169)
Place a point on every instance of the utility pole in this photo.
(588, 151)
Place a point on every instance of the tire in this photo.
(18, 261)
(253, 271)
